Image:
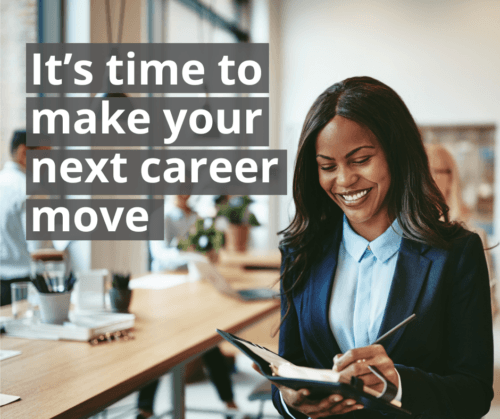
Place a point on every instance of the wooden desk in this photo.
(252, 258)
(73, 379)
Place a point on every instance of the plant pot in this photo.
(212, 256)
(120, 300)
(237, 238)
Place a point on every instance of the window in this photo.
(18, 25)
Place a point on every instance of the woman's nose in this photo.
(345, 176)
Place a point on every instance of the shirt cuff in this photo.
(286, 407)
(399, 396)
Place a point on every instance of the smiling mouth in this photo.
(352, 198)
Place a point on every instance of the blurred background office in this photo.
(440, 56)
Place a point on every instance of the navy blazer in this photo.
(444, 357)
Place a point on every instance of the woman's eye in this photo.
(327, 168)
(363, 160)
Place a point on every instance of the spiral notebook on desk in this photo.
(321, 383)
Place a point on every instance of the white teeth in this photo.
(355, 197)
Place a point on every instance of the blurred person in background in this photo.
(447, 177)
(14, 248)
(179, 220)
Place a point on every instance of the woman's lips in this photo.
(354, 198)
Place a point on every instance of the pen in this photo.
(386, 335)
(395, 329)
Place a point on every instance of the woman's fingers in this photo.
(328, 402)
(377, 387)
(341, 408)
(302, 396)
(294, 398)
(371, 380)
(315, 409)
(353, 355)
(256, 367)
(335, 360)
(356, 361)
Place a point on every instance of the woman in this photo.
(445, 173)
(370, 244)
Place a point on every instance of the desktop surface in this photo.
(59, 379)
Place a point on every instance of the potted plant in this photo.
(120, 294)
(204, 239)
(236, 211)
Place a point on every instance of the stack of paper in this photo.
(5, 354)
(83, 326)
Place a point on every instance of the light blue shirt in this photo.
(353, 250)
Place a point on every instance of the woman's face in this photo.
(441, 173)
(353, 171)
(181, 200)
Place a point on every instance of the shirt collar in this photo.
(383, 247)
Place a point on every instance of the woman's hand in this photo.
(355, 363)
(298, 399)
(331, 405)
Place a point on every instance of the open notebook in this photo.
(320, 382)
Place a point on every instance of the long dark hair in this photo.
(413, 197)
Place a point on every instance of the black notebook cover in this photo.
(318, 389)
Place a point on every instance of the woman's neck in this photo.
(372, 229)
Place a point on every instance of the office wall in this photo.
(440, 56)
(18, 25)
(133, 23)
(263, 30)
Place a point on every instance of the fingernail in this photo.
(350, 402)
(337, 398)
(359, 407)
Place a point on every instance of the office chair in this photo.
(261, 392)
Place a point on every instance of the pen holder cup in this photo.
(120, 300)
(54, 307)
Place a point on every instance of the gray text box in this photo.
(209, 55)
(85, 121)
(194, 172)
(63, 213)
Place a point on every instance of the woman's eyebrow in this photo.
(356, 150)
(324, 157)
(347, 155)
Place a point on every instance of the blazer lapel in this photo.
(409, 276)
(321, 291)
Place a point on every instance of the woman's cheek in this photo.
(324, 181)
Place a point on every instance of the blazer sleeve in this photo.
(290, 346)
(465, 389)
